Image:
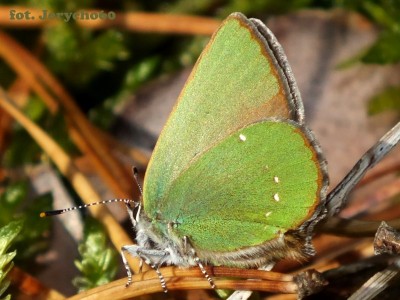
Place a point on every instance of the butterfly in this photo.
(236, 178)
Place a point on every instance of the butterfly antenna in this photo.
(61, 211)
(136, 177)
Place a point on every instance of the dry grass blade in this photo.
(66, 166)
(134, 21)
(377, 283)
(15, 56)
(19, 91)
(163, 23)
(181, 279)
(31, 287)
(30, 69)
(5, 122)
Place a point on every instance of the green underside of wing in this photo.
(234, 83)
(227, 198)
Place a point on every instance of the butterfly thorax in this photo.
(156, 234)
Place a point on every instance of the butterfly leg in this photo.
(148, 256)
(126, 265)
(189, 248)
(156, 265)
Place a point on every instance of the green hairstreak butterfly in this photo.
(236, 178)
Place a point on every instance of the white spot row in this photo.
(276, 197)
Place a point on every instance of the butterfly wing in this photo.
(241, 77)
(253, 186)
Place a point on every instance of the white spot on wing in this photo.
(242, 137)
(276, 179)
(276, 197)
(268, 214)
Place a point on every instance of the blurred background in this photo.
(84, 100)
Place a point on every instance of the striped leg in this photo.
(155, 267)
(203, 270)
(148, 256)
(127, 268)
(191, 250)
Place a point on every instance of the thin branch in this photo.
(360, 228)
(381, 199)
(386, 242)
(337, 198)
(383, 169)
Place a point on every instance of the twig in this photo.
(376, 200)
(383, 169)
(360, 228)
(386, 242)
(337, 198)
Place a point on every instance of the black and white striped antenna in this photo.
(62, 211)
(126, 201)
